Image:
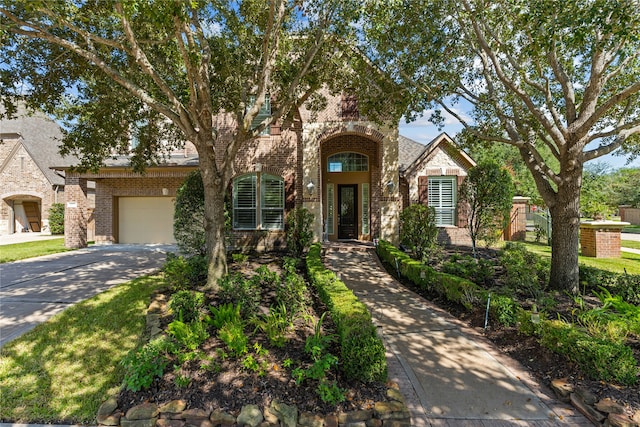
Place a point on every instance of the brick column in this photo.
(75, 212)
(601, 239)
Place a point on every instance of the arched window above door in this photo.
(348, 162)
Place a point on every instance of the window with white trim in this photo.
(258, 202)
(442, 197)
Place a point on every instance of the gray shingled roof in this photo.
(41, 137)
(408, 151)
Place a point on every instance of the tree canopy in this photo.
(533, 73)
(169, 72)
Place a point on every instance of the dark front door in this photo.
(347, 211)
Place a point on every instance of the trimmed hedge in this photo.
(598, 358)
(363, 354)
(455, 289)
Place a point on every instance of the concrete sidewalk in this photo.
(449, 373)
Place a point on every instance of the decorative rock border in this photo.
(392, 413)
(603, 412)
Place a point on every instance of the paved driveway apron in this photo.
(33, 290)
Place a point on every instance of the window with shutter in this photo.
(263, 114)
(258, 202)
(272, 202)
(244, 203)
(442, 197)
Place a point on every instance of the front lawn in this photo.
(18, 251)
(628, 262)
(62, 370)
(630, 244)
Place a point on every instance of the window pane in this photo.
(330, 208)
(272, 219)
(365, 208)
(264, 113)
(348, 162)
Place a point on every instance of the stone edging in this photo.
(174, 414)
(605, 411)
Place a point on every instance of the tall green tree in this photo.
(168, 72)
(534, 73)
(488, 192)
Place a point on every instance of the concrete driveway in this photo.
(33, 290)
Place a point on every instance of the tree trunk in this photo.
(565, 223)
(214, 222)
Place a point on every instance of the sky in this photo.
(423, 131)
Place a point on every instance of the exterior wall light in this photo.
(390, 186)
(311, 187)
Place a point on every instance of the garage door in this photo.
(145, 220)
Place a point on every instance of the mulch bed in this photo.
(228, 386)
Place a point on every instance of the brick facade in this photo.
(294, 151)
(22, 181)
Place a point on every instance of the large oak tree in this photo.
(564, 75)
(168, 72)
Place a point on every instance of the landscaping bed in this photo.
(565, 319)
(292, 353)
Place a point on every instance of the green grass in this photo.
(628, 261)
(631, 229)
(61, 371)
(18, 251)
(630, 244)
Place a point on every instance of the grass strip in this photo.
(629, 244)
(627, 261)
(62, 370)
(18, 251)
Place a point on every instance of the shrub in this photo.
(504, 309)
(524, 271)
(56, 218)
(142, 366)
(235, 288)
(232, 334)
(188, 219)
(601, 360)
(455, 289)
(418, 230)
(186, 305)
(292, 293)
(182, 273)
(275, 325)
(356, 333)
(298, 231)
(477, 270)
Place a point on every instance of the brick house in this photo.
(341, 167)
(28, 187)
(431, 175)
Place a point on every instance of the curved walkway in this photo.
(449, 373)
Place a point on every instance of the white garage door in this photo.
(145, 220)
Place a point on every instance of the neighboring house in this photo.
(28, 187)
(431, 174)
(340, 167)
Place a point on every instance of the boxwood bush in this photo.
(363, 354)
(598, 358)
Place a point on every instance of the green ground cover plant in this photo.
(62, 370)
(18, 251)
